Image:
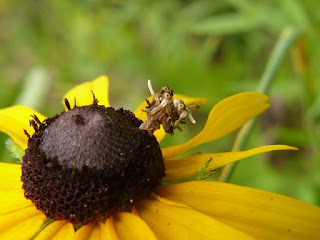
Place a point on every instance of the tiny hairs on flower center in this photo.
(90, 162)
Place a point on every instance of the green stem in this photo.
(285, 41)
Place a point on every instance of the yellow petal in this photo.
(190, 166)
(11, 193)
(261, 214)
(10, 175)
(12, 201)
(83, 95)
(56, 231)
(97, 231)
(16, 118)
(84, 232)
(160, 134)
(109, 231)
(190, 100)
(129, 226)
(228, 115)
(21, 224)
(175, 222)
(139, 113)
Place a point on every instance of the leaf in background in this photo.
(15, 149)
(227, 24)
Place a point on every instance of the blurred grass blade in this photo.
(36, 87)
(296, 11)
(227, 24)
(286, 40)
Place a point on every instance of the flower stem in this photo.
(286, 40)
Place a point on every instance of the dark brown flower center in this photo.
(90, 162)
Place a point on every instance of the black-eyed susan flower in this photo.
(90, 173)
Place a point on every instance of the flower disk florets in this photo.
(89, 163)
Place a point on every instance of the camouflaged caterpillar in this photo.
(165, 111)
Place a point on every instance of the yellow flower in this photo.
(190, 210)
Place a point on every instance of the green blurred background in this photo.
(209, 49)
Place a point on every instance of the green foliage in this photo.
(16, 151)
(200, 48)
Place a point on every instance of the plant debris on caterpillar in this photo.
(166, 111)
